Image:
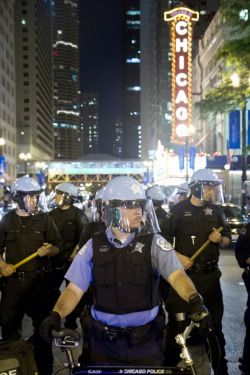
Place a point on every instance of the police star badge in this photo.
(208, 211)
(138, 247)
(164, 244)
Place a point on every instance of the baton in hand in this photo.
(203, 247)
(27, 259)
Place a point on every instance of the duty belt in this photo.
(204, 267)
(112, 333)
(25, 275)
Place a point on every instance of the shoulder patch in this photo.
(83, 249)
(164, 244)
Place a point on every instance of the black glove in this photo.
(53, 321)
(198, 313)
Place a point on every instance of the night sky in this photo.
(100, 60)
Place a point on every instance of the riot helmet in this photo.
(183, 191)
(64, 194)
(25, 191)
(156, 194)
(206, 185)
(97, 205)
(126, 206)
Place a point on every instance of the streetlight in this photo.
(25, 158)
(236, 83)
(185, 131)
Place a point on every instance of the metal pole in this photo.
(187, 158)
(244, 157)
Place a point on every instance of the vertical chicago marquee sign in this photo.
(181, 19)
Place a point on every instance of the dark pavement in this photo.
(234, 302)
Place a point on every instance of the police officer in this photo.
(242, 253)
(23, 231)
(158, 197)
(183, 191)
(190, 224)
(70, 221)
(125, 327)
(97, 224)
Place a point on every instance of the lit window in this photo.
(23, 22)
(133, 12)
(59, 32)
(134, 88)
(133, 60)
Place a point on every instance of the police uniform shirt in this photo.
(164, 263)
(191, 226)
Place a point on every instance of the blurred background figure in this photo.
(158, 197)
(97, 224)
(178, 195)
(70, 221)
(183, 191)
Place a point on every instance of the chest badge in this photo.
(208, 211)
(138, 247)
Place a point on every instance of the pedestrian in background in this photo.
(23, 231)
(125, 326)
(242, 254)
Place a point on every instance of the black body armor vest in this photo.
(123, 279)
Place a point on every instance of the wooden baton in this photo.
(27, 259)
(203, 247)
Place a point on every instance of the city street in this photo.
(234, 301)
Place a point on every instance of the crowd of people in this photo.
(133, 271)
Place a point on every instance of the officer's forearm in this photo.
(68, 300)
(182, 284)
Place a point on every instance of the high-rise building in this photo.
(34, 78)
(7, 91)
(131, 87)
(66, 119)
(90, 123)
(156, 77)
(118, 140)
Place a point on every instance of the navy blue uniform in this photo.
(27, 290)
(242, 254)
(190, 226)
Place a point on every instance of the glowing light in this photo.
(181, 43)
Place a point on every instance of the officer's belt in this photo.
(203, 267)
(25, 275)
(112, 332)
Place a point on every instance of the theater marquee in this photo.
(181, 19)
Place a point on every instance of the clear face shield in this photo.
(131, 216)
(30, 203)
(210, 192)
(58, 199)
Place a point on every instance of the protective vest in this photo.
(123, 279)
(193, 226)
(24, 239)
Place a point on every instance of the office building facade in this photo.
(131, 86)
(34, 79)
(7, 93)
(90, 123)
(66, 94)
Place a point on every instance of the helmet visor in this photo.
(30, 203)
(211, 192)
(126, 216)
